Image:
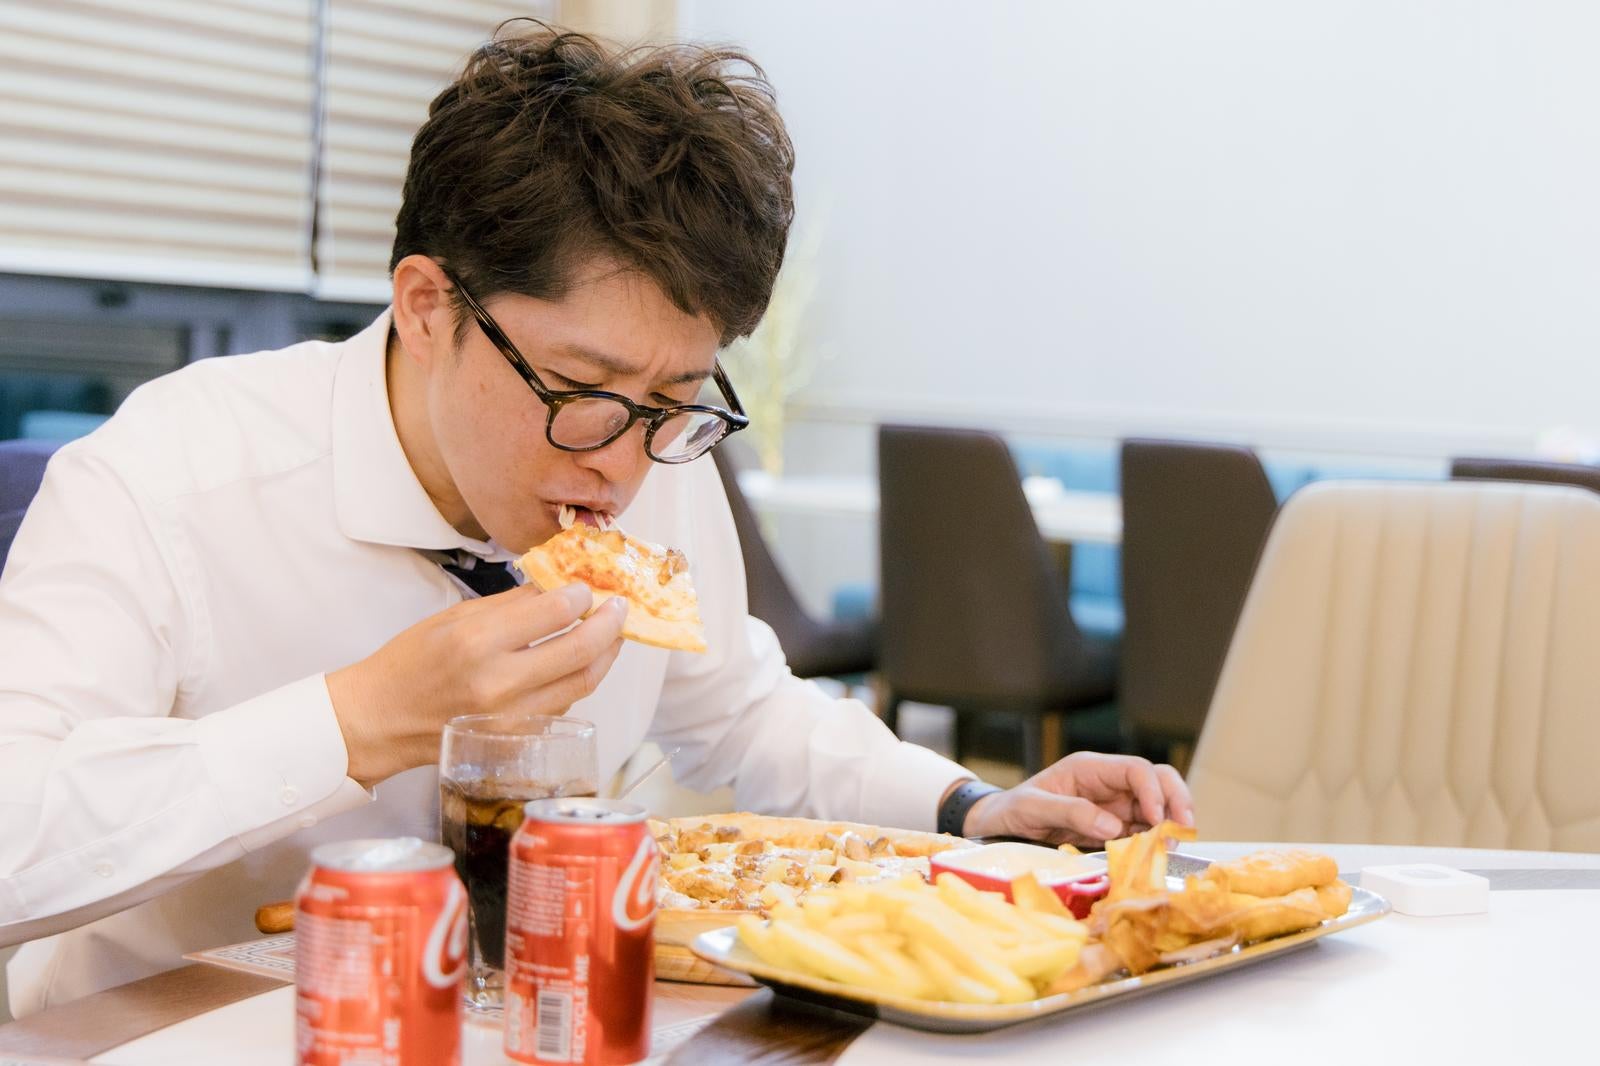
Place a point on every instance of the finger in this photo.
(1122, 805)
(574, 650)
(513, 680)
(521, 616)
(557, 697)
(1140, 780)
(1058, 818)
(1180, 805)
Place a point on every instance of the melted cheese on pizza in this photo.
(716, 868)
(611, 561)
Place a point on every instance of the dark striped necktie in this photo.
(483, 577)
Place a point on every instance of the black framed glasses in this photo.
(586, 420)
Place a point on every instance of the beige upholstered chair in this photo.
(1415, 663)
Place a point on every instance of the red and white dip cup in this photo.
(1079, 880)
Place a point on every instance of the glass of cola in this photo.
(489, 766)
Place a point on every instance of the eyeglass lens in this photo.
(593, 421)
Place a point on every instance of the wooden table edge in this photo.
(105, 1020)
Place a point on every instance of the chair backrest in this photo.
(1194, 519)
(1415, 664)
(1581, 476)
(22, 464)
(974, 608)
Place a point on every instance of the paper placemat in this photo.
(271, 956)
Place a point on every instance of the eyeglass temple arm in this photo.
(720, 376)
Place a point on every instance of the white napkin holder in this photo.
(1427, 890)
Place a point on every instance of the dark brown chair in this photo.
(1581, 475)
(1194, 520)
(975, 613)
(813, 648)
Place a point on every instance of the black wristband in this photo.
(953, 811)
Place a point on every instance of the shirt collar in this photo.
(377, 497)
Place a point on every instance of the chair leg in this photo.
(1043, 740)
(887, 705)
(1054, 729)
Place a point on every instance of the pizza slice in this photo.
(663, 610)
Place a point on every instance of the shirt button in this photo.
(104, 869)
(307, 821)
(289, 795)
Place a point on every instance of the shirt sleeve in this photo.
(107, 798)
(742, 719)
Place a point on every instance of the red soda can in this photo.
(380, 930)
(580, 933)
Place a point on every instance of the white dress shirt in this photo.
(189, 572)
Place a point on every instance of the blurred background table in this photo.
(1064, 515)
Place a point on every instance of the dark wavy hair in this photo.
(552, 149)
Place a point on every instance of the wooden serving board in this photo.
(677, 963)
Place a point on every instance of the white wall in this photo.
(1370, 225)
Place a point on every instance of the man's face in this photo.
(615, 330)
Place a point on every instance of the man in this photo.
(237, 616)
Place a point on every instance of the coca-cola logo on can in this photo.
(444, 960)
(634, 903)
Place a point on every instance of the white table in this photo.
(1511, 986)
(1063, 514)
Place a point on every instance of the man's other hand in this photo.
(1086, 798)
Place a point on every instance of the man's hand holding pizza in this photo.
(1086, 798)
(472, 658)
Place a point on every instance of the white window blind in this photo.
(384, 61)
(175, 141)
(165, 141)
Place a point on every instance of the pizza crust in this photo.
(640, 625)
(799, 832)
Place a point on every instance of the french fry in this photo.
(958, 940)
(1056, 926)
(820, 909)
(956, 986)
(847, 926)
(1028, 894)
(1138, 864)
(1044, 960)
(1096, 963)
(787, 912)
(759, 939)
(886, 951)
(907, 938)
(987, 908)
(823, 956)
